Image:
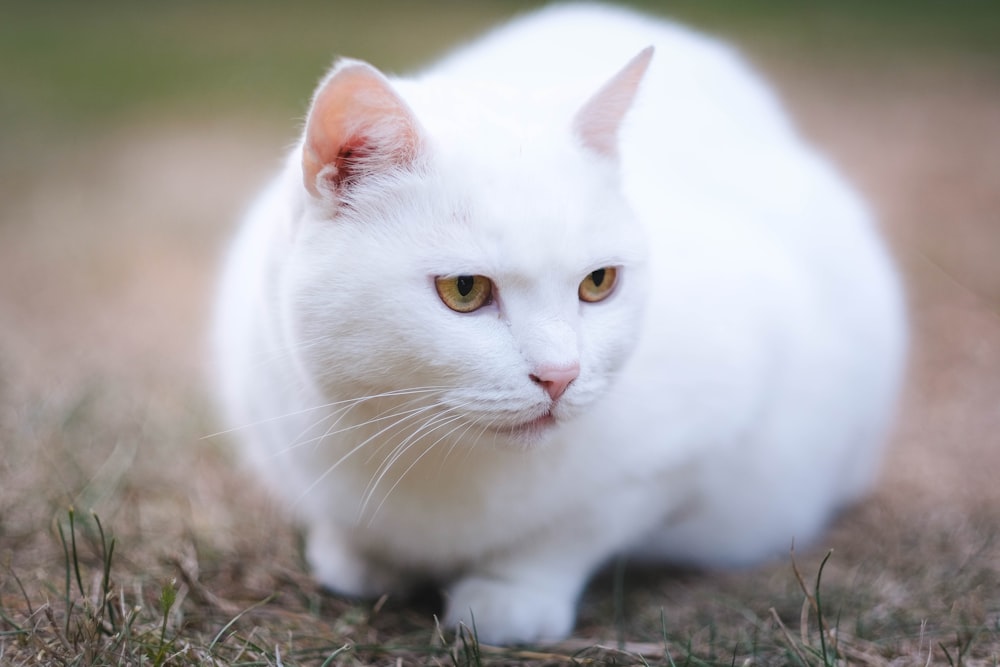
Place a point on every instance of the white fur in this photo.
(734, 390)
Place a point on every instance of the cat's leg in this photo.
(521, 600)
(338, 565)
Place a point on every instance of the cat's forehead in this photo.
(529, 215)
(534, 179)
(515, 183)
(533, 190)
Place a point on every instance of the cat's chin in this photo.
(529, 433)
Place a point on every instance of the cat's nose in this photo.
(555, 379)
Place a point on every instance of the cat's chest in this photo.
(446, 510)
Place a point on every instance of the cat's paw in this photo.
(506, 612)
(337, 566)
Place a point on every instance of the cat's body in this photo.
(724, 396)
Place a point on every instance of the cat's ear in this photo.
(597, 123)
(357, 125)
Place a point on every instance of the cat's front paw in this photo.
(337, 565)
(505, 612)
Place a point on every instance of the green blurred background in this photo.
(70, 67)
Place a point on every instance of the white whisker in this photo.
(372, 438)
(400, 448)
(348, 402)
(410, 467)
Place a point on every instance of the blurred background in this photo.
(132, 135)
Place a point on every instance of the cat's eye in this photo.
(464, 294)
(598, 284)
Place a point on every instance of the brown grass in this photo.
(106, 261)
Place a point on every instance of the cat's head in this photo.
(470, 259)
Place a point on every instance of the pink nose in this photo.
(555, 379)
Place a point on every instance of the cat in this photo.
(578, 290)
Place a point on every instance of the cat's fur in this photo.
(730, 394)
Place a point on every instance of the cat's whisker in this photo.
(348, 403)
(340, 414)
(332, 430)
(489, 428)
(403, 474)
(406, 416)
(457, 440)
(400, 428)
(373, 437)
(330, 469)
(444, 422)
(400, 448)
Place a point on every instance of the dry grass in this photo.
(107, 250)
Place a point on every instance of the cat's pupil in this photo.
(464, 284)
(598, 277)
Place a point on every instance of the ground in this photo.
(108, 248)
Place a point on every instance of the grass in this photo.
(102, 626)
(107, 622)
(109, 229)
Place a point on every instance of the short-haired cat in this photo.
(578, 290)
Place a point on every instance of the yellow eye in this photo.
(464, 294)
(598, 284)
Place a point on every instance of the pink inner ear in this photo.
(357, 125)
(597, 123)
(353, 153)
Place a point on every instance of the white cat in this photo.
(560, 297)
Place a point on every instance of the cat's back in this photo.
(576, 42)
(575, 47)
